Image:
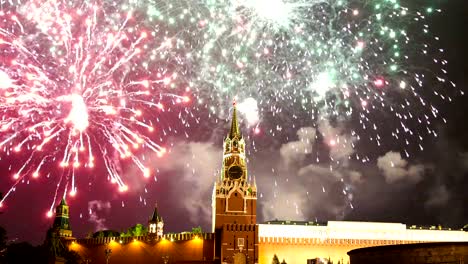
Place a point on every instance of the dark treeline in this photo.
(24, 252)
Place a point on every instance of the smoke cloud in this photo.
(305, 189)
(464, 160)
(95, 208)
(395, 168)
(438, 197)
(293, 153)
(340, 144)
(195, 166)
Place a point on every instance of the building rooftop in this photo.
(291, 222)
(357, 223)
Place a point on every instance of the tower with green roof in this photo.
(62, 220)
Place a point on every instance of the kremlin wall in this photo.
(236, 238)
(296, 242)
(176, 248)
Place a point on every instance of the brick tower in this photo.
(235, 204)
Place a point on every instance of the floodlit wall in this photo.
(139, 250)
(297, 243)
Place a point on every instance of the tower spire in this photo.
(156, 217)
(234, 132)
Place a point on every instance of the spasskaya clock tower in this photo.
(235, 204)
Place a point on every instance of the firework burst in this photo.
(369, 63)
(77, 88)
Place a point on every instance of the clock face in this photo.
(235, 172)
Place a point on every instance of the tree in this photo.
(106, 233)
(136, 230)
(72, 257)
(3, 238)
(284, 262)
(3, 242)
(275, 260)
(197, 230)
(24, 253)
(89, 234)
(139, 230)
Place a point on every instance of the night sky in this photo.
(429, 188)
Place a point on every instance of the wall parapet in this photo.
(331, 241)
(148, 238)
(360, 231)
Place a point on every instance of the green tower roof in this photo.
(61, 220)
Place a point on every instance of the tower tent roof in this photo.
(63, 202)
(156, 217)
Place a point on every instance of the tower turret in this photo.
(156, 223)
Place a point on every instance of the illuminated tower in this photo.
(62, 221)
(156, 224)
(234, 204)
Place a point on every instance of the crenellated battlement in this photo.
(170, 248)
(147, 239)
(241, 227)
(299, 240)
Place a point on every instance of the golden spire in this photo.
(234, 132)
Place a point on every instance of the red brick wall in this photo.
(141, 250)
(230, 241)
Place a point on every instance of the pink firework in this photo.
(77, 88)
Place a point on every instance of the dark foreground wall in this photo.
(435, 253)
(173, 249)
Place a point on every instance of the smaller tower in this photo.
(62, 221)
(156, 223)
